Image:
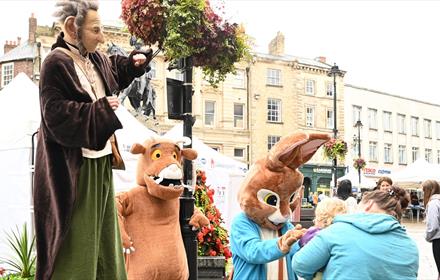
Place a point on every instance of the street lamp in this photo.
(334, 71)
(358, 124)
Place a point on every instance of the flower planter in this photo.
(211, 267)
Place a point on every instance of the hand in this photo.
(113, 101)
(139, 59)
(290, 237)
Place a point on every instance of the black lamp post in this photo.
(187, 198)
(334, 71)
(358, 124)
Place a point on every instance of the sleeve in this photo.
(68, 115)
(432, 221)
(124, 208)
(124, 69)
(247, 244)
(311, 257)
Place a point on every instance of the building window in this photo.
(310, 87)
(427, 128)
(387, 153)
(438, 156)
(239, 152)
(274, 110)
(373, 151)
(437, 130)
(387, 126)
(428, 155)
(401, 127)
(239, 79)
(415, 153)
(209, 113)
(330, 89)
(330, 119)
(414, 126)
(356, 114)
(272, 140)
(153, 70)
(274, 77)
(238, 115)
(310, 116)
(402, 154)
(7, 73)
(372, 118)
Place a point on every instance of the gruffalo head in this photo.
(160, 165)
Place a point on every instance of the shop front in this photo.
(319, 178)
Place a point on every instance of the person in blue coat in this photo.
(371, 244)
(263, 240)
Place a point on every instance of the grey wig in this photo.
(78, 9)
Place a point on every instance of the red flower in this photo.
(213, 253)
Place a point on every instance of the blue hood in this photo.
(369, 222)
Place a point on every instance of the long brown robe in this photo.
(69, 121)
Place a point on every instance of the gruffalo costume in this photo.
(262, 236)
(149, 213)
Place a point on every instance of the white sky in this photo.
(391, 46)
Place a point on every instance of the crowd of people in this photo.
(357, 231)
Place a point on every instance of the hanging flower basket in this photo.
(335, 148)
(188, 28)
(359, 163)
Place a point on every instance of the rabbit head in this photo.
(268, 191)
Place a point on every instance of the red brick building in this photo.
(22, 56)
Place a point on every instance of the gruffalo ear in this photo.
(294, 150)
(189, 153)
(137, 149)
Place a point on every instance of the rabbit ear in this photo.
(294, 150)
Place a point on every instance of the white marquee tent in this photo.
(353, 176)
(19, 119)
(417, 172)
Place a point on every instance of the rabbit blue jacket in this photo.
(360, 246)
(250, 253)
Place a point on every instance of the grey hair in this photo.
(77, 9)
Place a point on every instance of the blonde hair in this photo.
(327, 209)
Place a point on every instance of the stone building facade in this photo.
(268, 97)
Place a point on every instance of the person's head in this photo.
(81, 23)
(430, 187)
(392, 202)
(344, 190)
(327, 210)
(384, 184)
(320, 192)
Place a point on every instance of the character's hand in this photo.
(287, 239)
(128, 247)
(139, 59)
(113, 101)
(198, 220)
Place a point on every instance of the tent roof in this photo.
(417, 172)
(208, 157)
(19, 112)
(353, 176)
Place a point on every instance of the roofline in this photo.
(392, 95)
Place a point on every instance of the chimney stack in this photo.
(9, 45)
(32, 29)
(18, 41)
(276, 46)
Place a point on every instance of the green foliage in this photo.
(335, 148)
(189, 28)
(23, 263)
